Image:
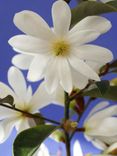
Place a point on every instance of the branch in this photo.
(29, 114)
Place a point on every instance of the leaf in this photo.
(110, 94)
(8, 99)
(113, 64)
(102, 86)
(89, 8)
(28, 141)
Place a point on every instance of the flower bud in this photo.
(113, 82)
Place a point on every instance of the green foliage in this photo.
(28, 141)
(89, 8)
(103, 90)
(8, 99)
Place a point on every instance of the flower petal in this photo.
(82, 37)
(96, 23)
(28, 45)
(79, 80)
(61, 17)
(32, 24)
(77, 149)
(17, 82)
(42, 151)
(6, 127)
(51, 75)
(22, 61)
(83, 68)
(37, 67)
(94, 53)
(65, 75)
(40, 98)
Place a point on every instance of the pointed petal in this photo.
(6, 127)
(96, 23)
(83, 36)
(51, 75)
(28, 45)
(61, 17)
(17, 82)
(37, 67)
(65, 75)
(22, 61)
(32, 24)
(40, 98)
(94, 53)
(82, 68)
(77, 149)
(79, 80)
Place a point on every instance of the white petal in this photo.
(40, 98)
(17, 82)
(28, 45)
(101, 115)
(42, 151)
(107, 127)
(51, 75)
(83, 68)
(79, 80)
(32, 24)
(28, 95)
(77, 151)
(58, 96)
(97, 108)
(94, 53)
(96, 23)
(83, 36)
(37, 67)
(22, 125)
(22, 61)
(61, 17)
(6, 127)
(65, 75)
(99, 144)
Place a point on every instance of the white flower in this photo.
(23, 100)
(100, 125)
(60, 56)
(77, 150)
(42, 151)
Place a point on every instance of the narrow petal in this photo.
(82, 37)
(6, 127)
(99, 144)
(22, 61)
(97, 108)
(77, 149)
(37, 67)
(79, 81)
(17, 82)
(42, 151)
(83, 68)
(28, 45)
(32, 24)
(65, 75)
(22, 125)
(96, 23)
(40, 99)
(94, 53)
(51, 75)
(61, 17)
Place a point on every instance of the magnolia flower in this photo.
(42, 151)
(101, 125)
(60, 56)
(23, 99)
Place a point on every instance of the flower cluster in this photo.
(70, 67)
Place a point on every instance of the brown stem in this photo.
(29, 114)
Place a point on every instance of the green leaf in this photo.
(28, 141)
(8, 99)
(110, 94)
(102, 86)
(89, 8)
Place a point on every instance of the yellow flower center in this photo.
(60, 48)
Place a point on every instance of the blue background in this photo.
(7, 29)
